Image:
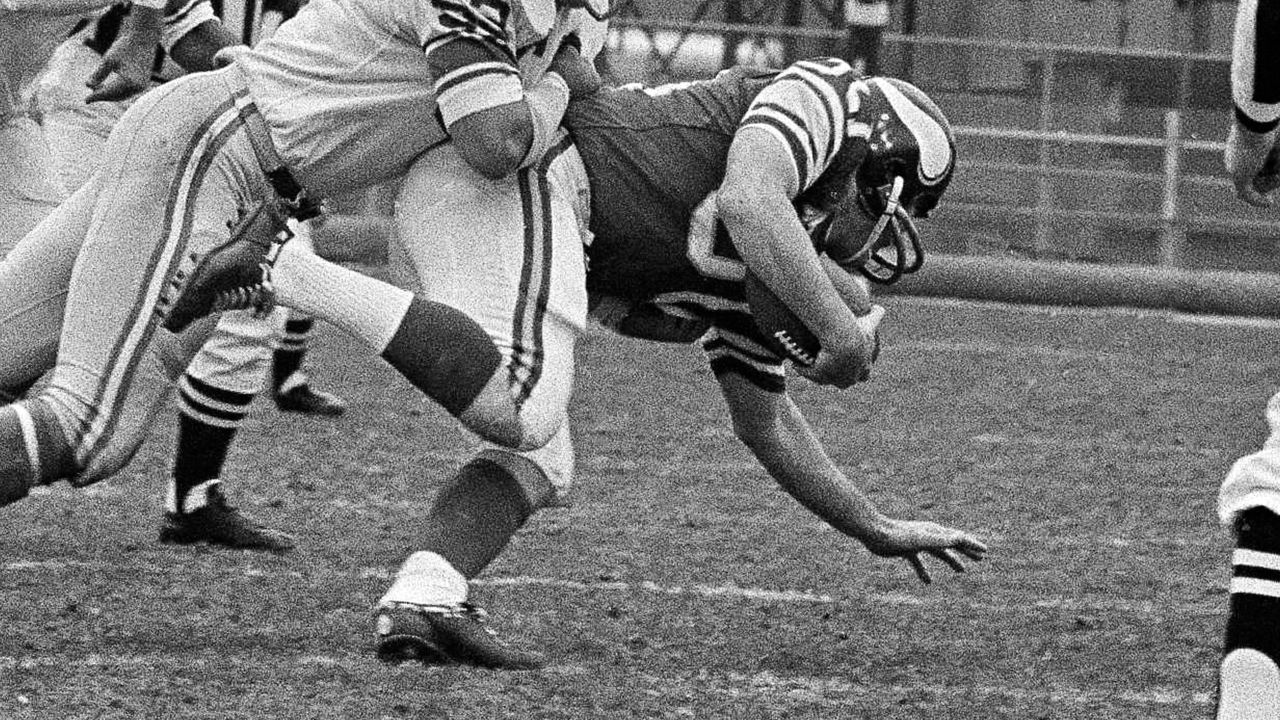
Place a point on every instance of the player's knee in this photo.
(534, 480)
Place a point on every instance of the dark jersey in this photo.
(655, 158)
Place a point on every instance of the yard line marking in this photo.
(792, 689)
(992, 348)
(1173, 316)
(1213, 607)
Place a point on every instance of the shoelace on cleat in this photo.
(259, 296)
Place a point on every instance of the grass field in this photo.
(1085, 446)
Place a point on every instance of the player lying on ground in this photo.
(681, 190)
(343, 97)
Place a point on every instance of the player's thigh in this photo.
(28, 189)
(177, 170)
(509, 254)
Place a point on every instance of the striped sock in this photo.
(208, 419)
(288, 357)
(1249, 681)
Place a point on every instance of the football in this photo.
(785, 332)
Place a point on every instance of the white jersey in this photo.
(354, 90)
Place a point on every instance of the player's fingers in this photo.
(871, 321)
(948, 558)
(100, 73)
(973, 548)
(922, 572)
(114, 89)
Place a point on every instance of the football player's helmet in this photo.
(909, 160)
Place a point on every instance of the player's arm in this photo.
(1255, 91)
(497, 123)
(196, 50)
(754, 203)
(776, 432)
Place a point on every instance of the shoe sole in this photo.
(169, 536)
(397, 649)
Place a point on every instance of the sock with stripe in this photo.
(208, 419)
(438, 348)
(1249, 681)
(33, 450)
(288, 357)
(362, 306)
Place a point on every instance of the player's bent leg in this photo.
(426, 613)
(178, 169)
(214, 396)
(291, 384)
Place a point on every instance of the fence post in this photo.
(1044, 184)
(1172, 234)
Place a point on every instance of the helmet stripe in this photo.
(931, 137)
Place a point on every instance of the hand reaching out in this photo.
(907, 539)
(126, 67)
(578, 72)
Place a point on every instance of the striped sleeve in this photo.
(733, 345)
(183, 19)
(804, 109)
(1255, 64)
(472, 59)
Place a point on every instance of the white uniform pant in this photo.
(1254, 480)
(178, 168)
(509, 254)
(28, 193)
(238, 355)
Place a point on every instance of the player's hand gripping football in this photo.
(846, 361)
(578, 72)
(909, 539)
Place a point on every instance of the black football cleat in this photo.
(219, 523)
(309, 401)
(233, 276)
(447, 636)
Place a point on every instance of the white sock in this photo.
(365, 307)
(196, 498)
(426, 578)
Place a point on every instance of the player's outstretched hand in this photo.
(908, 539)
(578, 72)
(125, 69)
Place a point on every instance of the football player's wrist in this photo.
(152, 4)
(547, 101)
